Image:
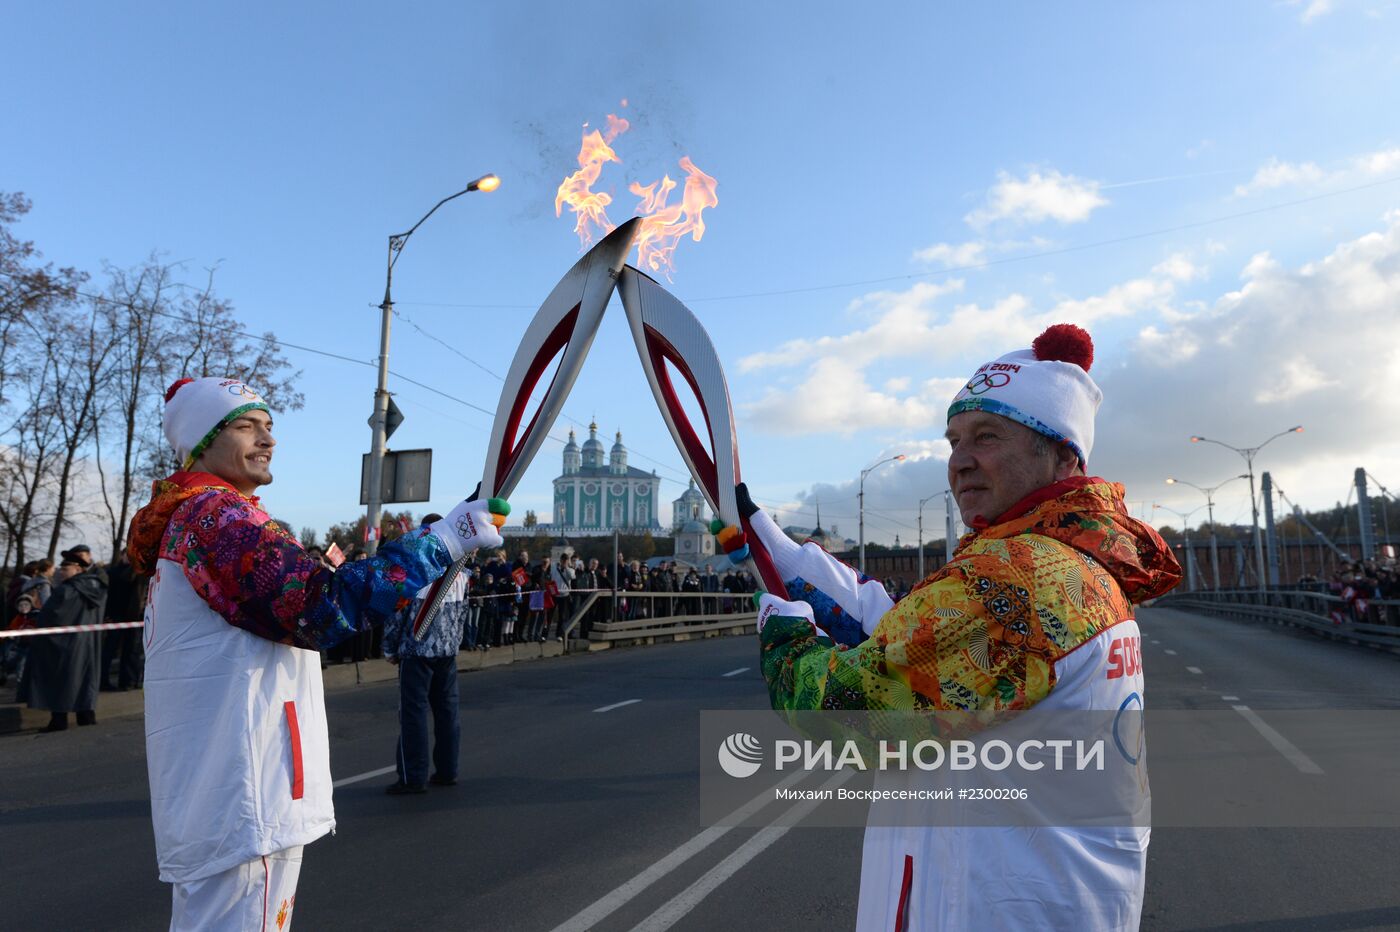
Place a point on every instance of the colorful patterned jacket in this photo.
(257, 576)
(1034, 612)
(983, 632)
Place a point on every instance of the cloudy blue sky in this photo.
(1213, 190)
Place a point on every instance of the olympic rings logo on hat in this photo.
(988, 381)
(241, 390)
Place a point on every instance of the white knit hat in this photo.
(197, 409)
(1047, 388)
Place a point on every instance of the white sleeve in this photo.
(867, 601)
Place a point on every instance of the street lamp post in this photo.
(922, 502)
(863, 474)
(1186, 532)
(379, 420)
(1210, 512)
(1248, 453)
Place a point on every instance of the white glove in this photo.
(471, 526)
(770, 606)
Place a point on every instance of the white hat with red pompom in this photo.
(197, 409)
(1047, 388)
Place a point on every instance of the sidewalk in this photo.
(16, 718)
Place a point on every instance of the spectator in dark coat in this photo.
(62, 672)
(126, 601)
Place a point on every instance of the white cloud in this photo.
(1317, 344)
(1040, 196)
(913, 334)
(974, 252)
(1315, 9)
(1199, 148)
(1295, 377)
(949, 255)
(1279, 174)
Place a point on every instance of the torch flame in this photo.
(590, 207)
(663, 224)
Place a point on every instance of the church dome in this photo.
(572, 458)
(593, 447)
(694, 527)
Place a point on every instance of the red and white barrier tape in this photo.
(69, 629)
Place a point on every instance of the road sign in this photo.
(392, 419)
(407, 476)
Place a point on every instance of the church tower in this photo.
(617, 460)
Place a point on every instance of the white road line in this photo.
(1231, 698)
(1172, 652)
(736, 672)
(1195, 670)
(1155, 641)
(616, 705)
(600, 910)
(1287, 748)
(676, 909)
(367, 775)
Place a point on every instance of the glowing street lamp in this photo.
(379, 420)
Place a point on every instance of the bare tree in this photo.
(210, 341)
(141, 320)
(77, 345)
(31, 451)
(29, 290)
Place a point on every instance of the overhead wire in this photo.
(1007, 260)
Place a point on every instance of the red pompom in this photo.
(1065, 343)
(170, 392)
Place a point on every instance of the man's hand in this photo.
(770, 607)
(471, 526)
(392, 660)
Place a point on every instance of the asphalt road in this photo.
(569, 816)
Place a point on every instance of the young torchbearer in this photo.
(1025, 616)
(236, 740)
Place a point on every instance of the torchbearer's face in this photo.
(996, 462)
(241, 454)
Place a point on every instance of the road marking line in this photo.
(736, 672)
(617, 705)
(1195, 670)
(1231, 698)
(1172, 652)
(1155, 641)
(367, 775)
(676, 909)
(606, 906)
(1287, 748)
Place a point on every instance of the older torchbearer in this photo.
(236, 739)
(1025, 616)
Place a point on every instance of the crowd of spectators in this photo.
(1366, 579)
(64, 673)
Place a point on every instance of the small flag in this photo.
(404, 525)
(334, 554)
